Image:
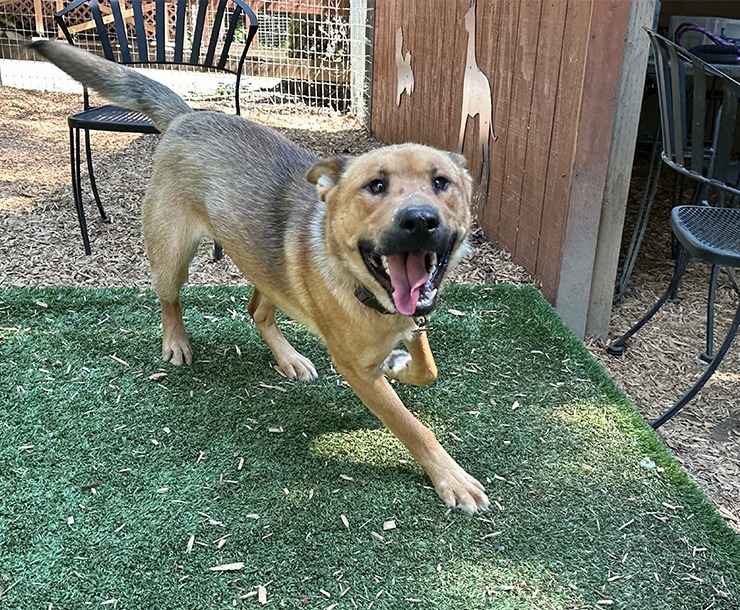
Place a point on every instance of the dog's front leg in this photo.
(455, 487)
(416, 366)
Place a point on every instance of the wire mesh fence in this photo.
(316, 52)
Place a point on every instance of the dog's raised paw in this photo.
(396, 363)
(400, 365)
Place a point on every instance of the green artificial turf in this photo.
(121, 490)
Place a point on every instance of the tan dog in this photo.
(357, 265)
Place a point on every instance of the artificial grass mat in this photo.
(121, 487)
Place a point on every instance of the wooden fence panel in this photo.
(533, 55)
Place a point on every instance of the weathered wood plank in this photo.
(380, 80)
(603, 68)
(504, 69)
(539, 140)
(619, 171)
(490, 37)
(519, 122)
(38, 13)
(295, 69)
(444, 75)
(559, 173)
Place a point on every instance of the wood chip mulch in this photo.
(41, 246)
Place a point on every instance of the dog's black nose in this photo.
(416, 227)
(418, 220)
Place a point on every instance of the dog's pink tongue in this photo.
(408, 273)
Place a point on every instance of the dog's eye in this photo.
(377, 186)
(440, 184)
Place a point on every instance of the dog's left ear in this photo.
(325, 174)
(459, 160)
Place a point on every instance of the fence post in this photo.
(360, 23)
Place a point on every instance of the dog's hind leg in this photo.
(175, 343)
(170, 246)
(290, 362)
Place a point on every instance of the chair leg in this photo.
(616, 348)
(74, 156)
(218, 251)
(681, 402)
(91, 174)
(641, 221)
(708, 354)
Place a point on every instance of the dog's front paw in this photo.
(458, 490)
(298, 367)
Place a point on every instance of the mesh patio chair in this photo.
(197, 33)
(698, 129)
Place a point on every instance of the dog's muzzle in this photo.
(411, 258)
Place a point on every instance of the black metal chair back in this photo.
(206, 34)
(182, 34)
(698, 121)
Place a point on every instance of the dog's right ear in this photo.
(459, 160)
(325, 175)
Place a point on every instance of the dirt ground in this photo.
(41, 245)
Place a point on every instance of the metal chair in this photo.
(650, 186)
(156, 33)
(698, 128)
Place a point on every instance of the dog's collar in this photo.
(368, 299)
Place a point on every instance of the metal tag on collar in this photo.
(421, 324)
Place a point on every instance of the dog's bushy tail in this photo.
(119, 84)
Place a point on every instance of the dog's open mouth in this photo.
(411, 279)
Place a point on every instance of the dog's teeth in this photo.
(427, 298)
(432, 264)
